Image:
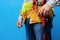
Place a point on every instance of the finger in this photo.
(18, 24)
(41, 12)
(38, 11)
(44, 13)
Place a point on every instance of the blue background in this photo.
(9, 12)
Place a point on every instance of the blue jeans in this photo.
(33, 31)
(48, 28)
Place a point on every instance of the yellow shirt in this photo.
(26, 6)
(34, 18)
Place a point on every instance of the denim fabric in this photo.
(48, 29)
(35, 31)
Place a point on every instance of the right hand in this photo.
(19, 23)
(44, 10)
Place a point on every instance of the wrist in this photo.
(48, 5)
(20, 17)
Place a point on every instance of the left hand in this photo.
(44, 10)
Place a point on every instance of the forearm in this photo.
(52, 2)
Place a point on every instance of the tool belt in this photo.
(33, 15)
